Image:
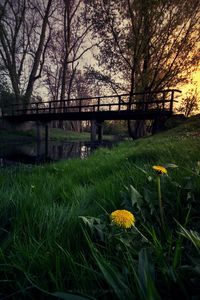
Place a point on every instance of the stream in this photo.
(32, 153)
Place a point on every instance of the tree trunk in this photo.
(137, 128)
(32, 78)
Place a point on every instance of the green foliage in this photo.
(6, 98)
(190, 103)
(68, 296)
(174, 121)
(56, 233)
(159, 248)
(55, 134)
(115, 127)
(191, 235)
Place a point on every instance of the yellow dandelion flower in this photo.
(160, 170)
(123, 218)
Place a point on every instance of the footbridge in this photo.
(151, 105)
(146, 105)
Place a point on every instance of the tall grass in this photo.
(46, 247)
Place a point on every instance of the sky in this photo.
(194, 78)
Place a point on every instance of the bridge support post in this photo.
(39, 127)
(38, 140)
(159, 124)
(93, 130)
(100, 131)
(46, 140)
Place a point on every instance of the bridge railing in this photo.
(146, 101)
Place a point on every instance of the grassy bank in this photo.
(55, 134)
(56, 234)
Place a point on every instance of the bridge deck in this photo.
(106, 115)
(118, 107)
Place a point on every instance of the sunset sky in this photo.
(195, 83)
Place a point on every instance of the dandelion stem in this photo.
(140, 233)
(160, 201)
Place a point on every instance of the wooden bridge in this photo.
(116, 107)
(138, 106)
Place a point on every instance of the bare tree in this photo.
(68, 45)
(70, 41)
(146, 44)
(83, 87)
(190, 103)
(24, 36)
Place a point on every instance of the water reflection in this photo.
(37, 153)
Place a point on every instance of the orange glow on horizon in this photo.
(195, 84)
(192, 87)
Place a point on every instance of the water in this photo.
(13, 154)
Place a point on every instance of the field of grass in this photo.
(57, 240)
(54, 134)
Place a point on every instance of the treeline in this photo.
(83, 48)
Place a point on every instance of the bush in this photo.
(115, 127)
(175, 120)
